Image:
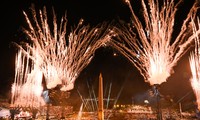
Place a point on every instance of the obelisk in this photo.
(100, 99)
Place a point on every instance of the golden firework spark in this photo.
(62, 59)
(194, 60)
(150, 46)
(27, 87)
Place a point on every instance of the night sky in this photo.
(115, 69)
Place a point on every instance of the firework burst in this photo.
(150, 46)
(61, 59)
(27, 87)
(194, 60)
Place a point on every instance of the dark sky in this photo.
(115, 69)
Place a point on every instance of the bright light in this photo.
(50, 54)
(62, 59)
(194, 60)
(146, 101)
(27, 87)
(152, 49)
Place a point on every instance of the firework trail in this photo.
(61, 58)
(155, 53)
(27, 87)
(194, 60)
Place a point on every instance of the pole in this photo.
(156, 92)
(159, 117)
(47, 112)
(100, 97)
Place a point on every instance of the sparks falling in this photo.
(194, 60)
(61, 59)
(27, 87)
(151, 48)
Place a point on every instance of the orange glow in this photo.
(194, 60)
(50, 53)
(27, 88)
(152, 50)
(62, 59)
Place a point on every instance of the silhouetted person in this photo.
(34, 113)
(13, 111)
